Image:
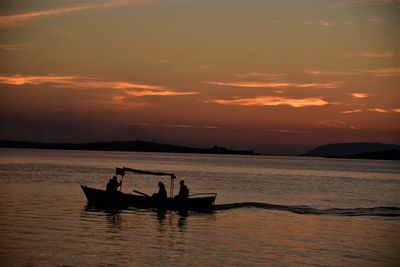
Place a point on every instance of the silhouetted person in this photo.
(183, 190)
(108, 187)
(112, 185)
(162, 193)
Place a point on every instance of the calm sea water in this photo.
(44, 220)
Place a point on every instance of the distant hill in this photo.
(393, 154)
(139, 146)
(356, 150)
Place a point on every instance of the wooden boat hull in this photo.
(101, 198)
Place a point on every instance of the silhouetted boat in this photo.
(102, 198)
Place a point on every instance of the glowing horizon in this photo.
(282, 77)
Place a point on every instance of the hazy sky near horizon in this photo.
(273, 76)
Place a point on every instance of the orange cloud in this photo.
(74, 82)
(118, 98)
(288, 131)
(14, 47)
(269, 76)
(376, 54)
(178, 125)
(204, 67)
(6, 21)
(359, 95)
(93, 84)
(319, 23)
(330, 72)
(89, 83)
(160, 93)
(379, 110)
(352, 111)
(273, 84)
(332, 122)
(16, 79)
(367, 2)
(371, 54)
(385, 72)
(337, 124)
(273, 101)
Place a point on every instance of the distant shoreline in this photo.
(124, 146)
(372, 151)
(376, 151)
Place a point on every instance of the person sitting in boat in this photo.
(113, 184)
(183, 191)
(162, 193)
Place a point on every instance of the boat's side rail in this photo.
(204, 195)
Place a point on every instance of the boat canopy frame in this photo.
(121, 171)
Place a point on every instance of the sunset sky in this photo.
(272, 76)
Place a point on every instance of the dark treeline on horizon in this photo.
(133, 146)
(339, 150)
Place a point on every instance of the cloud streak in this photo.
(381, 110)
(383, 72)
(160, 93)
(287, 131)
(74, 82)
(376, 54)
(367, 2)
(256, 84)
(377, 110)
(352, 111)
(11, 20)
(205, 67)
(77, 82)
(274, 101)
(359, 95)
(178, 126)
(331, 72)
(337, 124)
(262, 75)
(321, 23)
(14, 47)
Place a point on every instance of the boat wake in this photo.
(375, 211)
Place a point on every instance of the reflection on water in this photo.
(182, 221)
(115, 219)
(44, 221)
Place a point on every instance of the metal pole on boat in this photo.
(122, 173)
(171, 188)
(120, 187)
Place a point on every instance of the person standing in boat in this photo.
(112, 185)
(183, 190)
(162, 193)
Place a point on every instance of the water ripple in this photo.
(374, 211)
